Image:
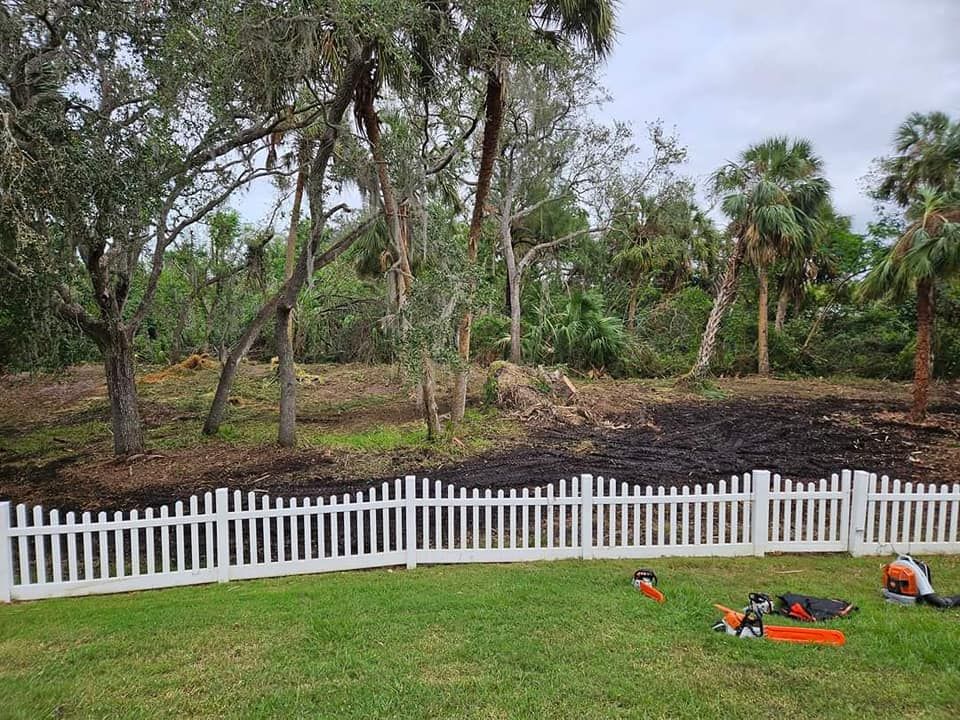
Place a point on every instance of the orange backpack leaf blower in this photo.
(908, 581)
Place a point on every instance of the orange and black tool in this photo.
(750, 624)
(646, 582)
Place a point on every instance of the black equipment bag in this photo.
(813, 609)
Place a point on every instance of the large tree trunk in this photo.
(391, 207)
(783, 302)
(428, 387)
(493, 120)
(228, 372)
(287, 376)
(763, 319)
(515, 348)
(721, 303)
(291, 249)
(921, 363)
(122, 391)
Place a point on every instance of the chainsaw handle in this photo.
(645, 576)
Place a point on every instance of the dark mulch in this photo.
(671, 443)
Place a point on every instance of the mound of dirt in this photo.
(539, 396)
(194, 362)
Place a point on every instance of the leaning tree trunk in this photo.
(921, 362)
(783, 302)
(391, 207)
(763, 320)
(228, 372)
(721, 303)
(493, 120)
(287, 376)
(122, 391)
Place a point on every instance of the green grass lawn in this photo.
(551, 640)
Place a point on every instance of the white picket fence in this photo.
(229, 536)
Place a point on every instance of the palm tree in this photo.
(808, 261)
(589, 23)
(771, 195)
(663, 243)
(923, 177)
(927, 153)
(927, 252)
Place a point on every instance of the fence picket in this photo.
(562, 526)
(822, 512)
(119, 555)
(321, 530)
(103, 546)
(722, 512)
(710, 515)
(178, 511)
(134, 546)
(398, 519)
(55, 547)
(476, 519)
(194, 539)
(450, 540)
(164, 541)
(209, 532)
(437, 516)
(237, 531)
(294, 531)
(954, 512)
(347, 528)
(151, 550)
(353, 519)
(463, 518)
(39, 549)
(698, 511)
(267, 533)
(488, 521)
(72, 568)
(636, 516)
(513, 518)
(372, 520)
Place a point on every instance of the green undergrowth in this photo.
(567, 639)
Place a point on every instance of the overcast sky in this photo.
(728, 73)
(842, 73)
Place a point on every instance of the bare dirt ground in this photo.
(358, 423)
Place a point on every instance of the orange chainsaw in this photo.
(749, 624)
(646, 582)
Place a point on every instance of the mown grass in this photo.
(558, 640)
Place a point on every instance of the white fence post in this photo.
(858, 512)
(223, 535)
(586, 516)
(6, 553)
(410, 502)
(760, 519)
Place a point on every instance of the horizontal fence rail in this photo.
(225, 536)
